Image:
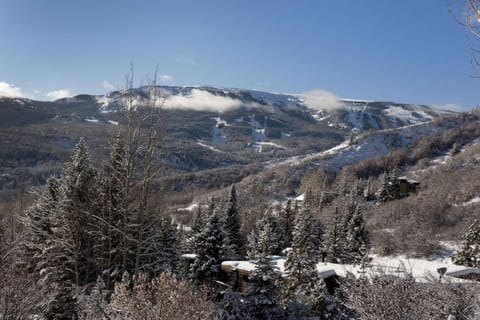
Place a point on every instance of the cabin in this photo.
(239, 274)
(407, 186)
(424, 272)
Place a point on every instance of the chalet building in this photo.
(425, 272)
(407, 186)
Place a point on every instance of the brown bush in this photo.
(162, 298)
(388, 297)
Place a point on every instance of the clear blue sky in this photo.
(407, 51)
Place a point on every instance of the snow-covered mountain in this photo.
(324, 108)
(206, 127)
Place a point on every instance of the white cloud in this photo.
(201, 100)
(321, 100)
(107, 85)
(58, 94)
(449, 107)
(166, 77)
(9, 90)
(186, 60)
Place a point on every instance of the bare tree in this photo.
(467, 13)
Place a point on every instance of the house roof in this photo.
(423, 271)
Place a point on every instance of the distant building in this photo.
(407, 186)
(424, 272)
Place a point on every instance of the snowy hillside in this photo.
(341, 113)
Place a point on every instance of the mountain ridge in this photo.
(203, 127)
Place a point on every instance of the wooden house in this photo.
(407, 186)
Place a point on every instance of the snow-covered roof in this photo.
(300, 197)
(189, 256)
(423, 271)
(411, 181)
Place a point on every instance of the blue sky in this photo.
(406, 51)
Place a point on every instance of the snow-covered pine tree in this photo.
(114, 225)
(232, 307)
(302, 260)
(394, 185)
(335, 240)
(319, 236)
(302, 282)
(286, 221)
(200, 219)
(383, 193)
(67, 261)
(78, 204)
(357, 237)
(38, 224)
(232, 225)
(160, 253)
(349, 207)
(263, 295)
(212, 246)
(469, 254)
(276, 235)
(309, 199)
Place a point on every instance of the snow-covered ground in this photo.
(258, 145)
(406, 116)
(209, 147)
(424, 271)
(218, 136)
(377, 143)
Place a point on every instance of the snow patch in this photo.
(191, 207)
(406, 116)
(209, 147)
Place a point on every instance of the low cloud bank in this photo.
(201, 100)
(449, 107)
(321, 100)
(58, 94)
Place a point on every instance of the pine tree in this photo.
(348, 209)
(390, 189)
(200, 219)
(335, 241)
(303, 283)
(67, 261)
(302, 260)
(357, 237)
(319, 236)
(263, 294)
(38, 226)
(78, 204)
(383, 193)
(232, 225)
(286, 221)
(276, 235)
(212, 246)
(469, 255)
(233, 307)
(160, 253)
(394, 184)
(114, 225)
